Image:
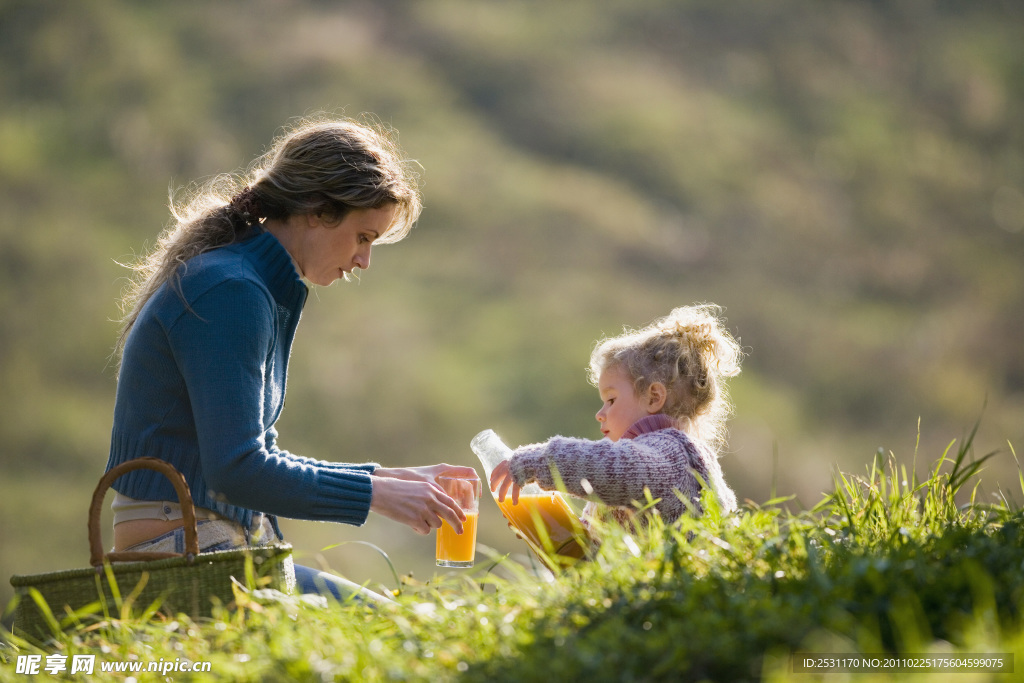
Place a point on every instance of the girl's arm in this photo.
(615, 473)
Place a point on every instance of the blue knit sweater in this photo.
(202, 383)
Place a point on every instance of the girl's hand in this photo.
(416, 501)
(502, 481)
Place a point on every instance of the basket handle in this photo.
(188, 513)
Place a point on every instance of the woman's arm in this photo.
(368, 467)
(224, 360)
(425, 472)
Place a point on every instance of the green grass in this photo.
(886, 564)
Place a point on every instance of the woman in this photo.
(205, 343)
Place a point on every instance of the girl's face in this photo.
(328, 251)
(622, 407)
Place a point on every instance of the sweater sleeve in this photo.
(222, 349)
(617, 472)
(369, 467)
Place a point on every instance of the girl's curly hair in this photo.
(690, 352)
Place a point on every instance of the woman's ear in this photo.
(656, 396)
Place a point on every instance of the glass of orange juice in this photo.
(454, 549)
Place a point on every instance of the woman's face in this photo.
(325, 252)
(621, 406)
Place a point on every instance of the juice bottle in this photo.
(543, 518)
(545, 521)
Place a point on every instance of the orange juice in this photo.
(457, 550)
(557, 519)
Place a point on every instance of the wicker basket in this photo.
(190, 583)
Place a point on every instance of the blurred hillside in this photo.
(845, 178)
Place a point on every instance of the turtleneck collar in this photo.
(277, 268)
(651, 423)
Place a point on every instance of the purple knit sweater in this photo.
(652, 454)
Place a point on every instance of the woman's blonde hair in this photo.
(323, 165)
(690, 352)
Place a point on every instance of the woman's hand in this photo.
(410, 495)
(502, 481)
(417, 503)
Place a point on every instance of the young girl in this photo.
(663, 416)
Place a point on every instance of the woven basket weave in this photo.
(190, 583)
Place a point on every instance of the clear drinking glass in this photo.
(454, 549)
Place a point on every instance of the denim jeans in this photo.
(213, 535)
(310, 580)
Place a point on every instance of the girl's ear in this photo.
(656, 396)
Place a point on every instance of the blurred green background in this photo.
(845, 178)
